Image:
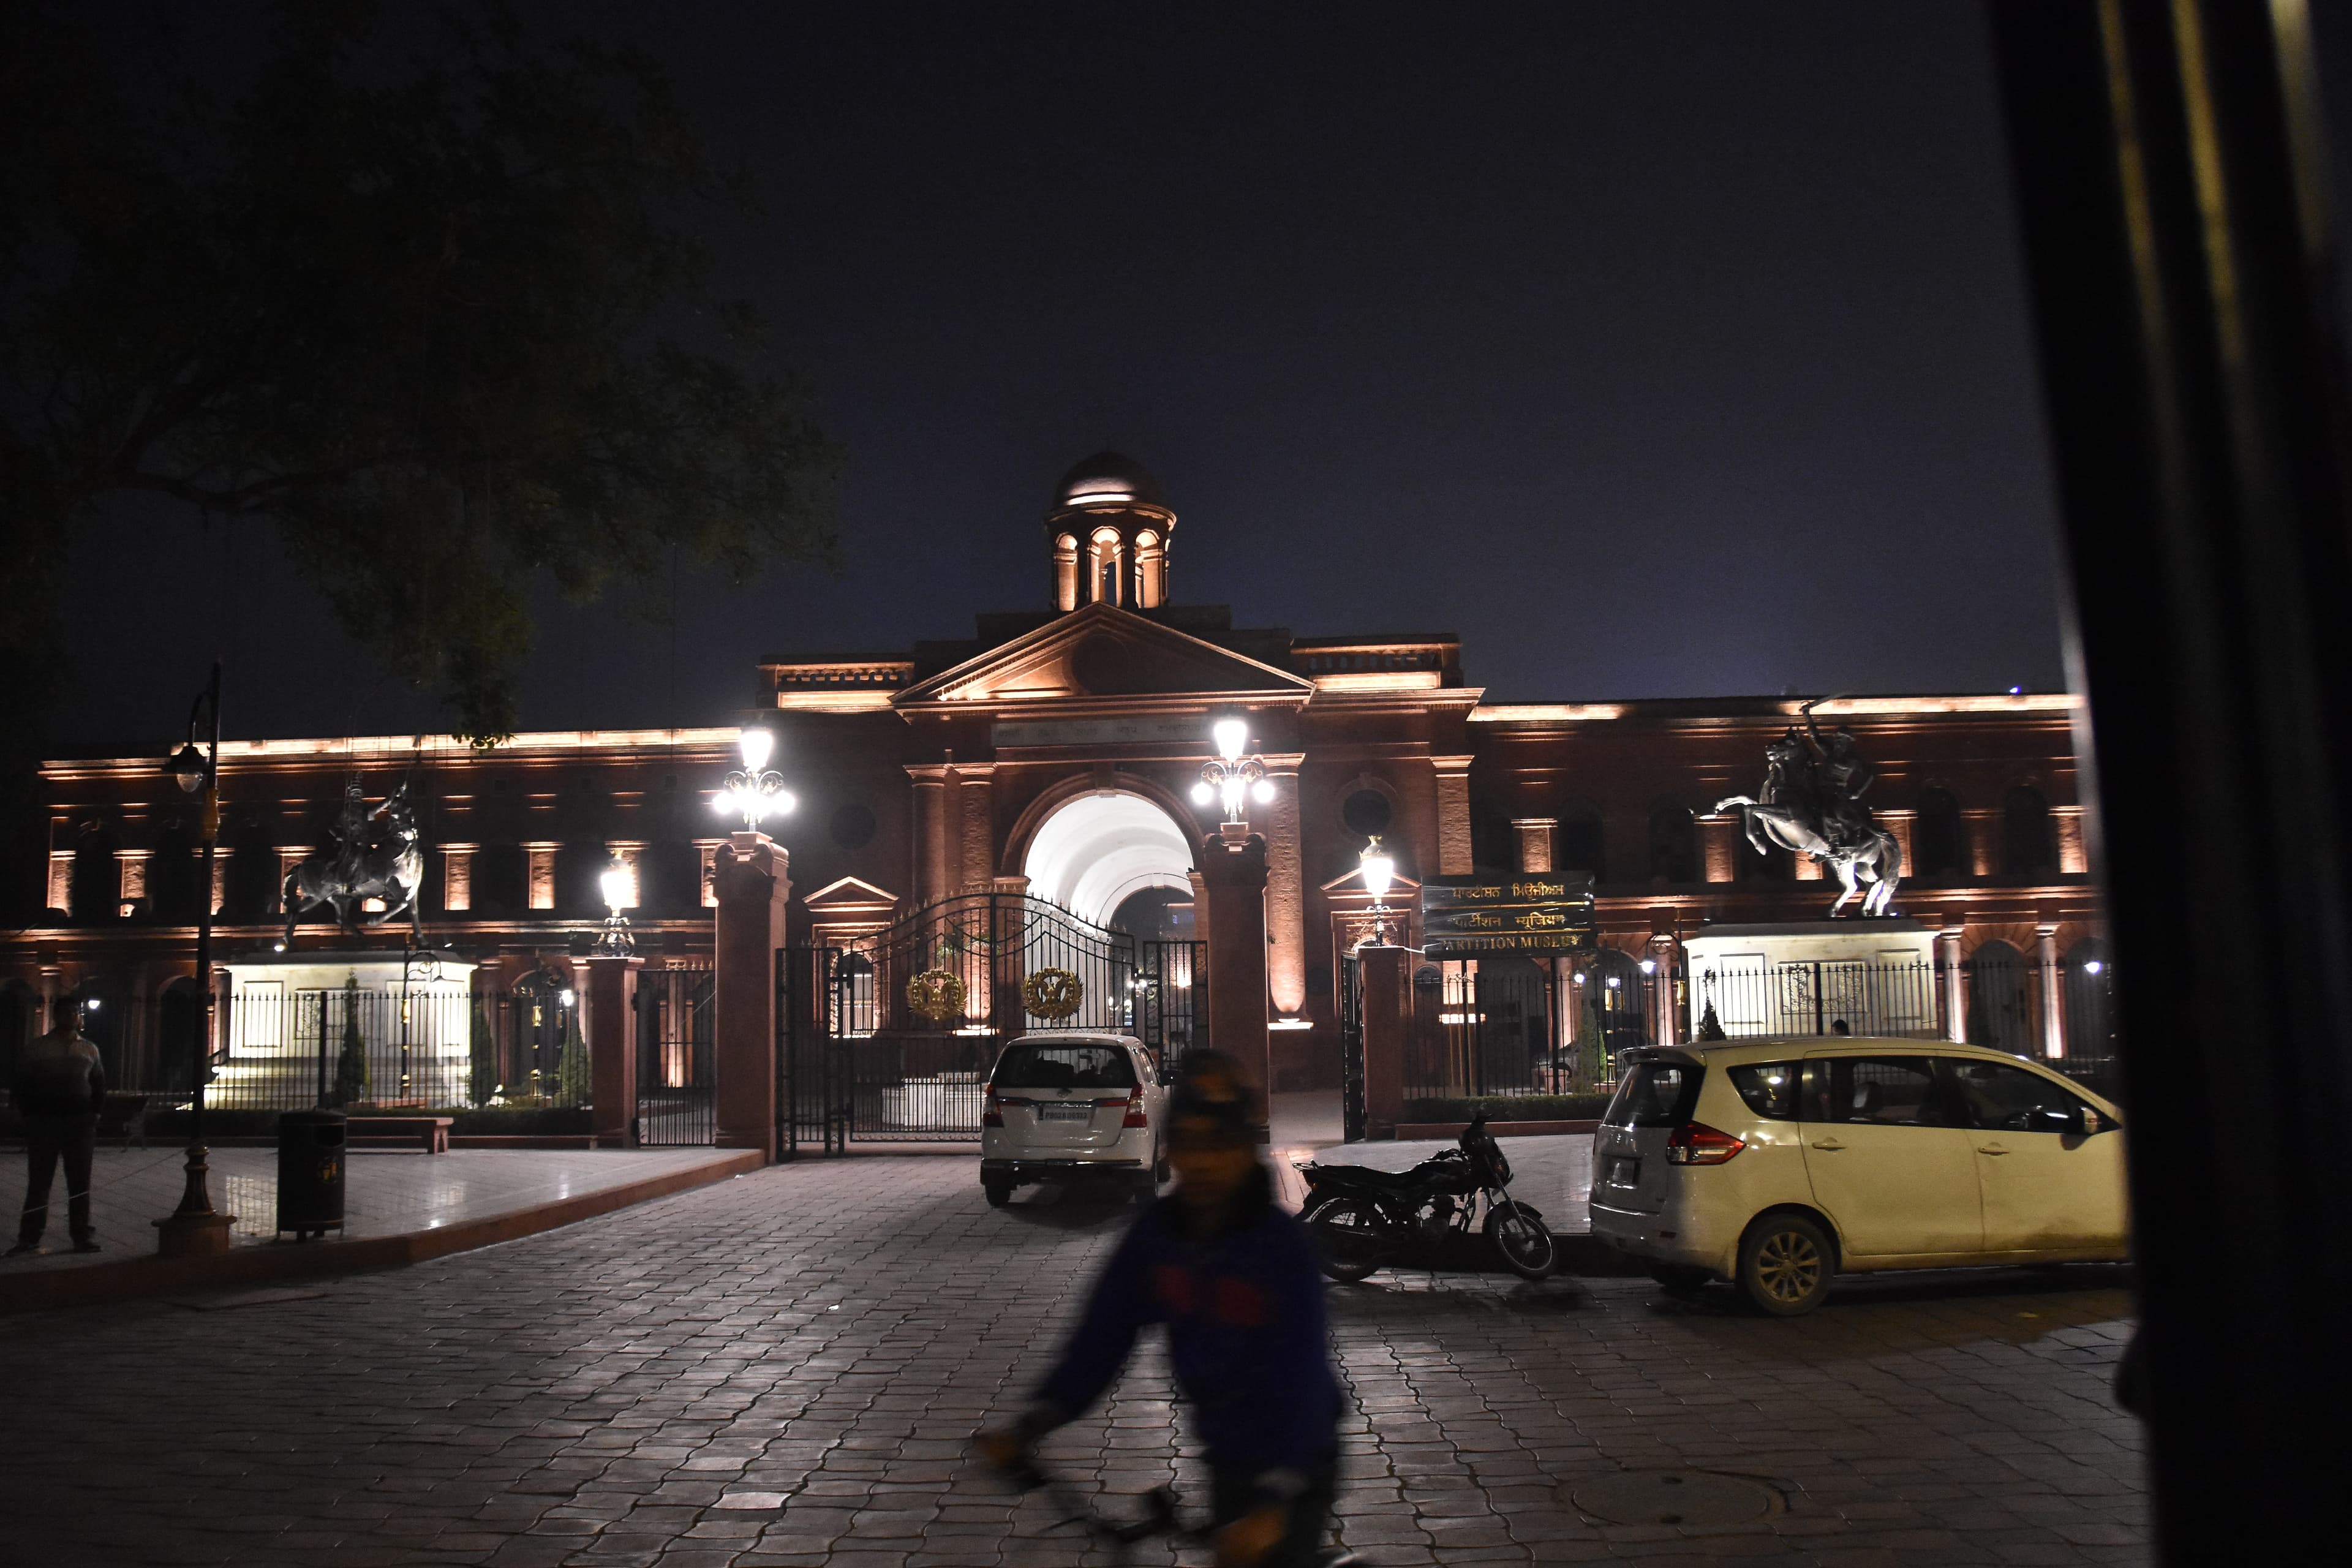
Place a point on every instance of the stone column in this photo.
(1661, 985)
(1720, 847)
(1955, 990)
(60, 885)
(135, 873)
(2073, 853)
(933, 880)
(540, 883)
(1233, 876)
(220, 879)
(753, 880)
(1387, 1005)
(1454, 855)
(611, 1016)
(1286, 895)
(2054, 1002)
(975, 813)
(458, 878)
(1536, 841)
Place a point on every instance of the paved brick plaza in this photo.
(781, 1369)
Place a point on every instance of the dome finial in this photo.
(1109, 524)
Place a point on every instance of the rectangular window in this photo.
(1880, 1092)
(2010, 1100)
(1770, 1089)
(1656, 1094)
(1032, 1066)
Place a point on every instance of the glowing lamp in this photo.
(757, 744)
(187, 766)
(1203, 792)
(1262, 792)
(1614, 982)
(1379, 867)
(567, 997)
(619, 886)
(1649, 967)
(1232, 736)
(2092, 966)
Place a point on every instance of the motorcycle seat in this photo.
(1364, 1176)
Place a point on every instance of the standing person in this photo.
(1236, 1279)
(58, 1087)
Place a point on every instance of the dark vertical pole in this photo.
(2166, 173)
(321, 1104)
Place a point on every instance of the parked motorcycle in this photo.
(1361, 1218)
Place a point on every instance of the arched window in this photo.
(1935, 842)
(2089, 993)
(1066, 572)
(1613, 1000)
(96, 891)
(172, 877)
(1674, 843)
(1493, 842)
(1582, 846)
(179, 1016)
(253, 880)
(2028, 847)
(1150, 570)
(1775, 865)
(502, 880)
(2001, 1014)
(1107, 565)
(19, 1024)
(579, 873)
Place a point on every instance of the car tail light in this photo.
(1696, 1143)
(991, 1113)
(1130, 1104)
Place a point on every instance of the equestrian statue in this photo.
(1810, 803)
(368, 861)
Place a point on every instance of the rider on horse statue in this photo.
(1810, 803)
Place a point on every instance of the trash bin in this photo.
(310, 1173)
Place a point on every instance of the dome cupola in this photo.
(1110, 528)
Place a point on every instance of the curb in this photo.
(246, 1266)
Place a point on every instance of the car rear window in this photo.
(1770, 1089)
(1024, 1064)
(1656, 1094)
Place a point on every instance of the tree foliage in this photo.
(447, 325)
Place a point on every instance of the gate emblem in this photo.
(1052, 994)
(935, 994)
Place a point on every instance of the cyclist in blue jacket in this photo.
(1236, 1279)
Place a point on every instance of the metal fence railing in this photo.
(344, 1047)
(1528, 1026)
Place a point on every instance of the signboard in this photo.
(1186, 733)
(1545, 912)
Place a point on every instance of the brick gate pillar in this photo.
(752, 877)
(612, 1051)
(1233, 876)
(1387, 1001)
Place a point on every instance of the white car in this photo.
(1778, 1164)
(1071, 1103)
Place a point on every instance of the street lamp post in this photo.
(619, 886)
(1379, 867)
(1231, 777)
(195, 1229)
(753, 790)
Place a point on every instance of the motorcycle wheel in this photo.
(1523, 1240)
(1350, 1238)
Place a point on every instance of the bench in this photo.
(123, 1115)
(431, 1133)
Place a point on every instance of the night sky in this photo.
(1659, 350)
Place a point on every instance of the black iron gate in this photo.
(890, 1036)
(676, 1077)
(1354, 1121)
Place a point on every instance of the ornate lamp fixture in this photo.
(1231, 776)
(619, 886)
(752, 789)
(1379, 868)
(195, 1228)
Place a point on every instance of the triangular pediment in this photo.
(850, 891)
(1100, 650)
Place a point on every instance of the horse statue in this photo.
(1810, 803)
(366, 864)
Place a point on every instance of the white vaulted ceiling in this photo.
(1098, 848)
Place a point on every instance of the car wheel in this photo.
(1680, 1278)
(999, 1190)
(1786, 1264)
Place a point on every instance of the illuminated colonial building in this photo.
(1056, 750)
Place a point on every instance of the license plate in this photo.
(1624, 1172)
(1077, 1111)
